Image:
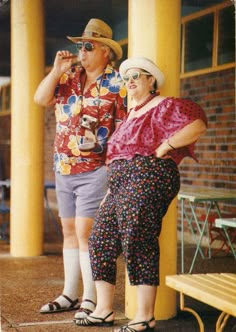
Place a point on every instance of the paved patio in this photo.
(27, 283)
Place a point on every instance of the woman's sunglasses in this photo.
(135, 75)
(88, 46)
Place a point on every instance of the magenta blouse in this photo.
(142, 135)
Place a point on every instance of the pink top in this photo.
(142, 135)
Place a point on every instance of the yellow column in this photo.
(154, 32)
(27, 69)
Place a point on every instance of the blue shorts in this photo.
(79, 195)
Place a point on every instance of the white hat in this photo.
(98, 30)
(145, 64)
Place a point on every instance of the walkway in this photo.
(27, 283)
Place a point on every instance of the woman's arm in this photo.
(187, 135)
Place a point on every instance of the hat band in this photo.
(92, 34)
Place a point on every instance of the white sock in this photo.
(88, 283)
(72, 274)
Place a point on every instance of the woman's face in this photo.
(138, 82)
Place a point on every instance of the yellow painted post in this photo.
(154, 32)
(27, 123)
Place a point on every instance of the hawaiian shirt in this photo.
(86, 118)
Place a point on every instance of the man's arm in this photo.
(44, 94)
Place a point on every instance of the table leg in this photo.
(201, 236)
(229, 241)
(198, 228)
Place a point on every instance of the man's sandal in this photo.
(99, 321)
(54, 307)
(83, 311)
(128, 328)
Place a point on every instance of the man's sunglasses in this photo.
(135, 75)
(88, 46)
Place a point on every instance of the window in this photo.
(199, 37)
(208, 40)
(226, 47)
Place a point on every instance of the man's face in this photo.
(92, 53)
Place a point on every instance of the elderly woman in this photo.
(143, 157)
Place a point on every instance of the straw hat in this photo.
(99, 31)
(145, 64)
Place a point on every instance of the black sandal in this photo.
(87, 322)
(128, 328)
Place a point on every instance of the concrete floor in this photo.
(28, 283)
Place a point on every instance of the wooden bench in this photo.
(215, 289)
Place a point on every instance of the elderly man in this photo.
(89, 102)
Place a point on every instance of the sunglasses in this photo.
(88, 46)
(135, 76)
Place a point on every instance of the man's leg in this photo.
(83, 229)
(68, 300)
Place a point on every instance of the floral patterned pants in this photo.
(130, 219)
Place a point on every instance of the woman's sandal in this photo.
(128, 328)
(83, 310)
(101, 321)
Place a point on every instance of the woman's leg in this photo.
(143, 203)
(105, 297)
(152, 186)
(146, 297)
(104, 249)
(144, 318)
(104, 243)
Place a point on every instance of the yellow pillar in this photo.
(154, 32)
(27, 123)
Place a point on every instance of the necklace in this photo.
(146, 101)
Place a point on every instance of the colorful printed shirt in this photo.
(142, 135)
(104, 102)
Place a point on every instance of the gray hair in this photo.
(112, 55)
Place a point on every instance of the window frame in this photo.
(215, 10)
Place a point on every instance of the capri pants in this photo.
(130, 220)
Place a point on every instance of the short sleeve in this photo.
(174, 114)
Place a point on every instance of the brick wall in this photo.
(216, 150)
